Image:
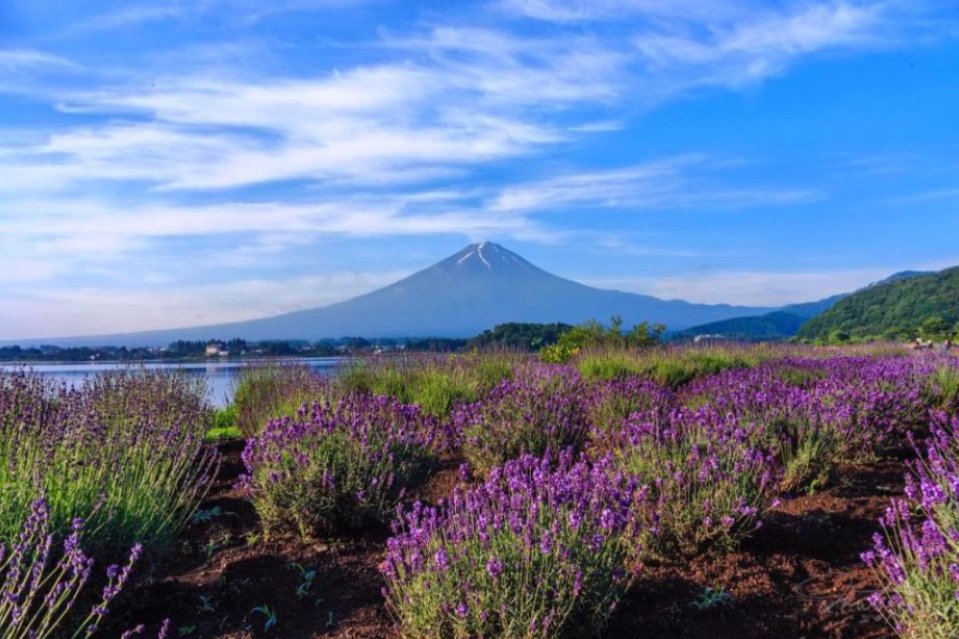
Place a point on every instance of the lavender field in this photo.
(662, 492)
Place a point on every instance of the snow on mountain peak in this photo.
(491, 258)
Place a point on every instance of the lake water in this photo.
(220, 376)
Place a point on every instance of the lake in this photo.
(219, 375)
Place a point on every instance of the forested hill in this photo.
(927, 305)
(775, 326)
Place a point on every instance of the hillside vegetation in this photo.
(769, 327)
(926, 306)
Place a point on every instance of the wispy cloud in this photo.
(688, 44)
(370, 124)
(751, 50)
(25, 60)
(232, 11)
(660, 185)
(565, 11)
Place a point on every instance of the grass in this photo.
(672, 367)
(435, 383)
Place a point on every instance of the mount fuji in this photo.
(480, 286)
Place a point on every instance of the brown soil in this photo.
(798, 577)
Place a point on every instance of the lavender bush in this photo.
(820, 414)
(544, 410)
(917, 556)
(40, 587)
(942, 386)
(709, 477)
(529, 553)
(612, 402)
(124, 452)
(336, 466)
(272, 390)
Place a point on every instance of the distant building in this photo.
(215, 349)
(705, 340)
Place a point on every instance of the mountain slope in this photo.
(782, 323)
(893, 309)
(774, 326)
(812, 309)
(481, 286)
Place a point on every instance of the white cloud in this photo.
(23, 60)
(600, 10)
(755, 49)
(685, 44)
(230, 11)
(461, 98)
(370, 124)
(665, 184)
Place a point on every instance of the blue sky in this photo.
(174, 163)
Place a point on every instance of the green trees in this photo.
(839, 336)
(593, 334)
(522, 336)
(926, 306)
(934, 328)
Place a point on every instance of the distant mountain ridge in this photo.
(481, 286)
(895, 308)
(785, 322)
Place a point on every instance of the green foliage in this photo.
(593, 334)
(669, 368)
(519, 336)
(711, 598)
(934, 328)
(778, 325)
(809, 453)
(839, 336)
(941, 390)
(223, 426)
(435, 345)
(901, 309)
(436, 384)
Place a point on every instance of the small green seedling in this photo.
(209, 548)
(712, 598)
(208, 515)
(269, 613)
(186, 631)
(307, 575)
(205, 605)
